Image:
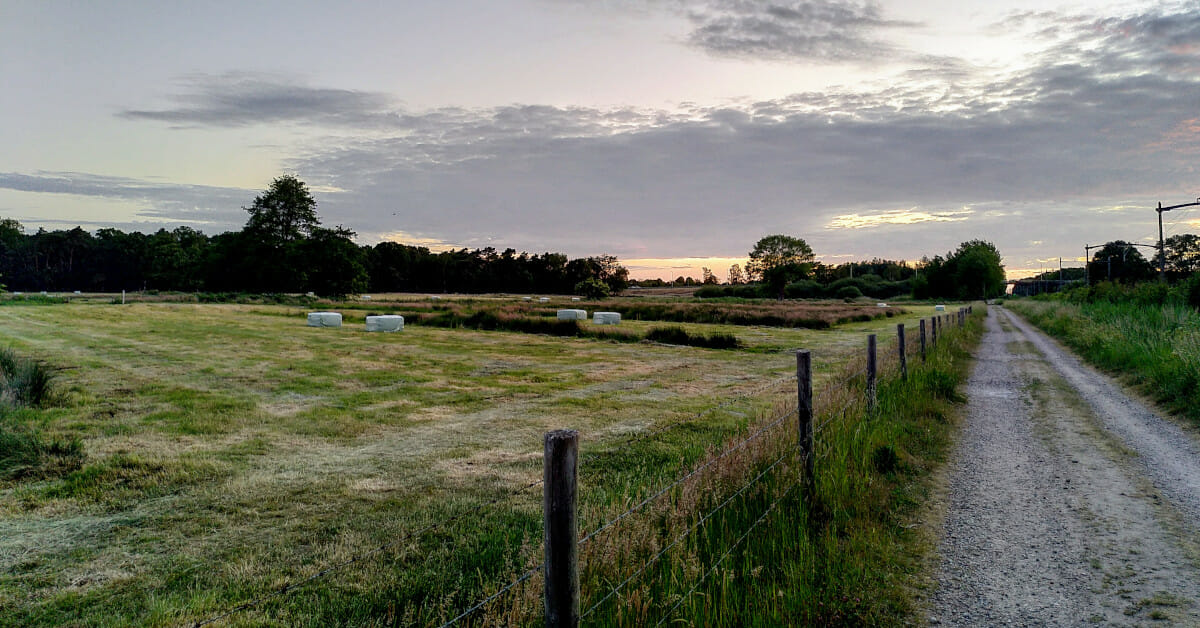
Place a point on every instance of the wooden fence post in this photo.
(903, 352)
(558, 511)
(922, 340)
(804, 408)
(871, 372)
(933, 325)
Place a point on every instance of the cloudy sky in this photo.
(671, 133)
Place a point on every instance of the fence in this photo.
(762, 453)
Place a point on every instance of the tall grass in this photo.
(743, 544)
(24, 452)
(1155, 347)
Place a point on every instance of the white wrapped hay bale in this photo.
(939, 308)
(434, 297)
(572, 315)
(544, 300)
(324, 319)
(574, 298)
(365, 297)
(385, 322)
(526, 298)
(606, 318)
(881, 305)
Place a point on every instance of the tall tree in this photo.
(1120, 261)
(777, 251)
(286, 212)
(978, 272)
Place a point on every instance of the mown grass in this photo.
(771, 552)
(231, 452)
(1154, 347)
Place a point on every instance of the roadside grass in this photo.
(1155, 348)
(230, 451)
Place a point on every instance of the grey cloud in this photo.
(1092, 123)
(827, 30)
(217, 207)
(239, 99)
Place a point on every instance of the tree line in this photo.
(783, 266)
(282, 248)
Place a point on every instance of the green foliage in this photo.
(780, 258)
(806, 289)
(680, 336)
(1154, 346)
(592, 288)
(848, 292)
(1121, 262)
(286, 212)
(973, 271)
(24, 383)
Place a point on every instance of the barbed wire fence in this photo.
(835, 401)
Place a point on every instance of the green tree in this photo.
(337, 266)
(779, 251)
(1121, 262)
(978, 272)
(1183, 254)
(592, 288)
(286, 212)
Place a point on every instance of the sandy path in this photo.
(1069, 503)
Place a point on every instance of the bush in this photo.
(805, 289)
(592, 288)
(680, 336)
(24, 382)
(712, 292)
(848, 292)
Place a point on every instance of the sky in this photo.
(670, 133)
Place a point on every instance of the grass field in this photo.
(230, 449)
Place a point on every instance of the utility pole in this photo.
(1162, 248)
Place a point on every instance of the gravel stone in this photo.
(1069, 504)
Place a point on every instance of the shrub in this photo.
(592, 288)
(712, 292)
(805, 289)
(24, 382)
(848, 292)
(680, 336)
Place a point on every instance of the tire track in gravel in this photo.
(1054, 513)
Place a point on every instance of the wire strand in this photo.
(615, 520)
(728, 551)
(682, 536)
(526, 576)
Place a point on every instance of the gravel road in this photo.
(1069, 503)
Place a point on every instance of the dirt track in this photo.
(1069, 503)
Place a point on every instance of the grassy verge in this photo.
(1154, 347)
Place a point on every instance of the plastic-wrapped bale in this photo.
(939, 308)
(324, 319)
(365, 297)
(574, 298)
(572, 315)
(544, 300)
(526, 298)
(606, 318)
(881, 305)
(385, 322)
(435, 297)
